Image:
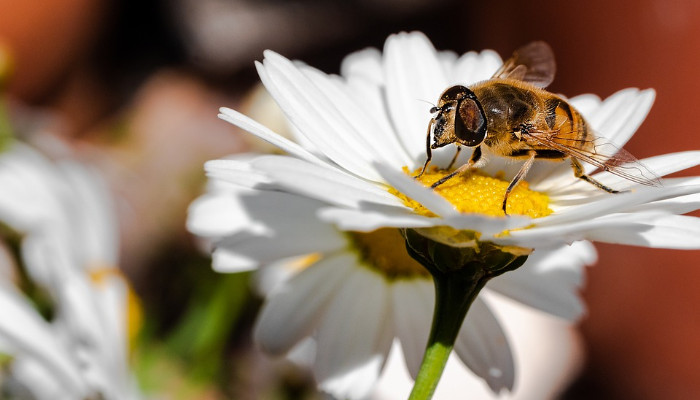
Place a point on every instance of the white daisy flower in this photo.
(354, 134)
(355, 293)
(69, 251)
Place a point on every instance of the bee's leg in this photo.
(518, 177)
(578, 172)
(428, 151)
(476, 156)
(454, 158)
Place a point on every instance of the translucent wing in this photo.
(532, 63)
(599, 153)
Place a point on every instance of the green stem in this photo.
(459, 274)
(454, 294)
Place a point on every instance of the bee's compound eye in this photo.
(470, 122)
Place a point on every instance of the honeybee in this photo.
(513, 116)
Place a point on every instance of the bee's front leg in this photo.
(428, 151)
(476, 156)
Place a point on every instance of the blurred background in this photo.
(133, 87)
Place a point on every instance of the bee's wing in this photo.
(603, 155)
(532, 63)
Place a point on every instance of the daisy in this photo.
(76, 346)
(355, 135)
(356, 293)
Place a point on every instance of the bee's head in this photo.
(460, 118)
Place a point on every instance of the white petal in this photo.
(626, 116)
(272, 226)
(29, 335)
(375, 139)
(262, 132)
(664, 231)
(447, 58)
(413, 302)
(226, 175)
(676, 205)
(34, 377)
(226, 260)
(332, 186)
(474, 67)
(549, 280)
(369, 218)
(222, 213)
(609, 204)
(585, 104)
(416, 191)
(669, 163)
(659, 165)
(92, 215)
(608, 109)
(413, 74)
(287, 241)
(634, 228)
(354, 336)
(293, 310)
(372, 99)
(332, 99)
(547, 350)
(305, 107)
(483, 347)
(364, 64)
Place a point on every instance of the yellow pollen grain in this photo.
(475, 192)
(384, 251)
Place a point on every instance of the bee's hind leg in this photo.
(579, 173)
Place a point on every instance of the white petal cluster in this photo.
(69, 250)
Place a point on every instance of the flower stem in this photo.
(454, 294)
(459, 274)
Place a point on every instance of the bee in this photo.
(512, 115)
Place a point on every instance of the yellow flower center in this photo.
(475, 192)
(384, 251)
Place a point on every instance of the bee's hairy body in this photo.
(511, 106)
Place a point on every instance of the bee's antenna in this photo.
(433, 109)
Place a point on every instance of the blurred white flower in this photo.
(68, 249)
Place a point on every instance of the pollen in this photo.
(384, 251)
(476, 192)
